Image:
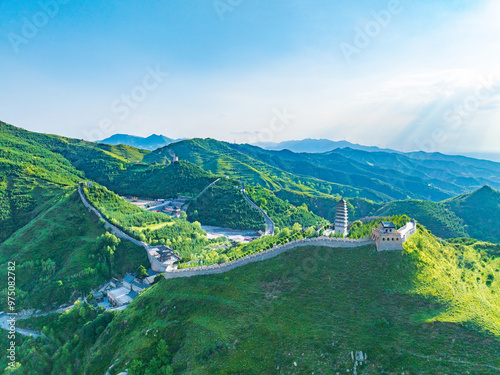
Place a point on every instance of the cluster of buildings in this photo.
(173, 207)
(123, 292)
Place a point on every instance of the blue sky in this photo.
(401, 74)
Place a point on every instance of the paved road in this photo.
(4, 324)
(267, 219)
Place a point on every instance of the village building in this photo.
(388, 238)
(342, 218)
(126, 291)
(119, 297)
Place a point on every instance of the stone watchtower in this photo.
(341, 218)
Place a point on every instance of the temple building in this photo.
(387, 238)
(341, 218)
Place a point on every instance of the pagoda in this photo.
(341, 218)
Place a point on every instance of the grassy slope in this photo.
(65, 234)
(223, 205)
(428, 310)
(22, 198)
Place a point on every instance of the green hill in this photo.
(123, 169)
(480, 212)
(431, 309)
(232, 160)
(160, 181)
(223, 205)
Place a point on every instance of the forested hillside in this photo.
(223, 205)
(151, 227)
(480, 212)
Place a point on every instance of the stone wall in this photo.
(267, 254)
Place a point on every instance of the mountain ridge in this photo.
(152, 142)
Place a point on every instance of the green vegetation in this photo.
(480, 212)
(329, 173)
(283, 214)
(430, 309)
(123, 169)
(228, 254)
(158, 181)
(223, 205)
(23, 198)
(63, 254)
(185, 238)
(252, 165)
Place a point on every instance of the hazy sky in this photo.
(401, 74)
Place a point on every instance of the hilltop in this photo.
(151, 143)
(429, 309)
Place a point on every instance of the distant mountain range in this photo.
(316, 146)
(151, 143)
(308, 145)
(325, 145)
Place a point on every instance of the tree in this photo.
(141, 272)
(296, 228)
(136, 367)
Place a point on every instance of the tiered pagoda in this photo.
(341, 218)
